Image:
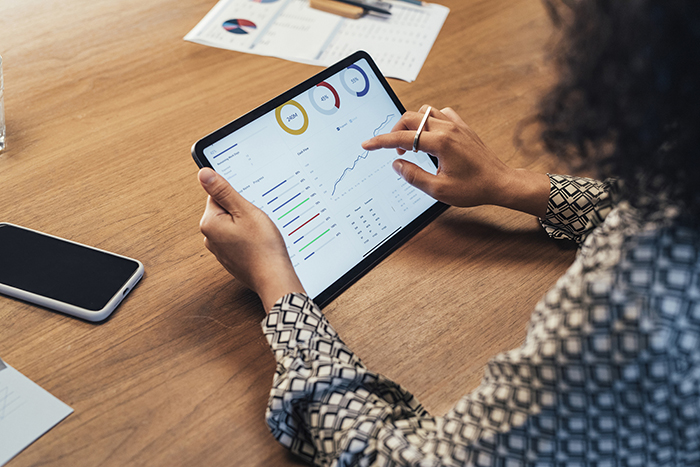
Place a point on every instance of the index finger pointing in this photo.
(397, 139)
(405, 128)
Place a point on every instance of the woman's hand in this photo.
(469, 173)
(245, 241)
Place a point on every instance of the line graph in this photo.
(362, 156)
(8, 402)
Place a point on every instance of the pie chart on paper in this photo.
(239, 26)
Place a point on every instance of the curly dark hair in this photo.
(628, 97)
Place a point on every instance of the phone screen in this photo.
(61, 270)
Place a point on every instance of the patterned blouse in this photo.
(608, 375)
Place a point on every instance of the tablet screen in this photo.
(340, 209)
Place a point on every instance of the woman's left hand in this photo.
(245, 241)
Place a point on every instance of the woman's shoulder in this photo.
(651, 260)
(662, 255)
(645, 241)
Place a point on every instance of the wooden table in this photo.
(103, 101)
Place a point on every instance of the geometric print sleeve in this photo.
(325, 406)
(608, 374)
(576, 206)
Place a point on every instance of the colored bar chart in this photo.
(302, 225)
(286, 203)
(294, 208)
(303, 165)
(298, 213)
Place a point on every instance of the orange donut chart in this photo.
(283, 125)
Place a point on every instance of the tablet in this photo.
(299, 158)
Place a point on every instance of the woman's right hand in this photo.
(469, 172)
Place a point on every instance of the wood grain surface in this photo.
(103, 102)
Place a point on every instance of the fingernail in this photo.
(208, 176)
(397, 165)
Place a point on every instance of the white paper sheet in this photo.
(292, 30)
(26, 412)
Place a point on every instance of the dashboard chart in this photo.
(355, 80)
(325, 98)
(292, 118)
(303, 165)
(362, 156)
(295, 208)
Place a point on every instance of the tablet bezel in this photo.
(384, 249)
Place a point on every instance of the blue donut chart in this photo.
(347, 87)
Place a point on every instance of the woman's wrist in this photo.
(525, 191)
(276, 286)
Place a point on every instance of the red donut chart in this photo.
(336, 97)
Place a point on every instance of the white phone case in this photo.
(67, 308)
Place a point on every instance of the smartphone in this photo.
(62, 275)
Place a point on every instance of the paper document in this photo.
(292, 30)
(26, 412)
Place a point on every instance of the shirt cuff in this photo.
(576, 206)
(295, 319)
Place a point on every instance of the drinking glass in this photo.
(2, 111)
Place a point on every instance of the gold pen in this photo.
(337, 8)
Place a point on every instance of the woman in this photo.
(609, 373)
